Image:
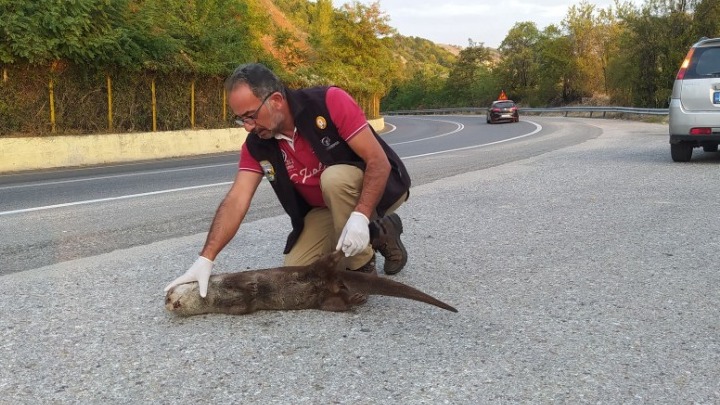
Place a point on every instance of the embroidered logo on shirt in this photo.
(326, 142)
(268, 169)
(288, 162)
(320, 122)
(306, 173)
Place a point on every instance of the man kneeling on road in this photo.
(331, 172)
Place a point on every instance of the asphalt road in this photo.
(61, 215)
(582, 274)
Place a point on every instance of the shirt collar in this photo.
(283, 137)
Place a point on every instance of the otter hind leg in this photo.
(344, 300)
(357, 299)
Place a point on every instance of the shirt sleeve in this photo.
(345, 113)
(247, 162)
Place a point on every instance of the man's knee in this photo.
(345, 178)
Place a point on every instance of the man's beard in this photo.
(272, 130)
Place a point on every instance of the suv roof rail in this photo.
(704, 40)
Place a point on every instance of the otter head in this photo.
(182, 298)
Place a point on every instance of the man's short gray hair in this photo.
(261, 80)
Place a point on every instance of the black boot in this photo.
(385, 238)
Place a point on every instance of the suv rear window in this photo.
(705, 63)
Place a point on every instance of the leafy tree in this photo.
(706, 19)
(610, 25)
(557, 69)
(359, 57)
(664, 7)
(584, 33)
(517, 70)
(420, 91)
(203, 36)
(470, 79)
(421, 55)
(320, 29)
(81, 31)
(425, 71)
(653, 48)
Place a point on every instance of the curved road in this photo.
(54, 216)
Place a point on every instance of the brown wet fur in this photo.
(320, 285)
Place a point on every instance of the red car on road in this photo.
(502, 110)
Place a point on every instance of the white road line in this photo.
(538, 128)
(122, 197)
(115, 176)
(459, 128)
(394, 127)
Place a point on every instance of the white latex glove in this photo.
(199, 271)
(355, 236)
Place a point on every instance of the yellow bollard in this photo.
(192, 104)
(51, 88)
(110, 103)
(224, 105)
(154, 106)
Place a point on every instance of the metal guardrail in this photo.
(603, 110)
(555, 110)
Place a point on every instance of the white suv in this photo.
(695, 102)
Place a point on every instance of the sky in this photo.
(455, 22)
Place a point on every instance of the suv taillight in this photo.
(685, 64)
(700, 131)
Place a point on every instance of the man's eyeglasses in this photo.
(250, 119)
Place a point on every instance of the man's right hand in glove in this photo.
(199, 271)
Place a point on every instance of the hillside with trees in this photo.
(88, 66)
(622, 55)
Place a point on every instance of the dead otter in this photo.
(320, 285)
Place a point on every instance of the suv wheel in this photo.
(681, 151)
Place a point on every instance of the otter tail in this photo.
(374, 285)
